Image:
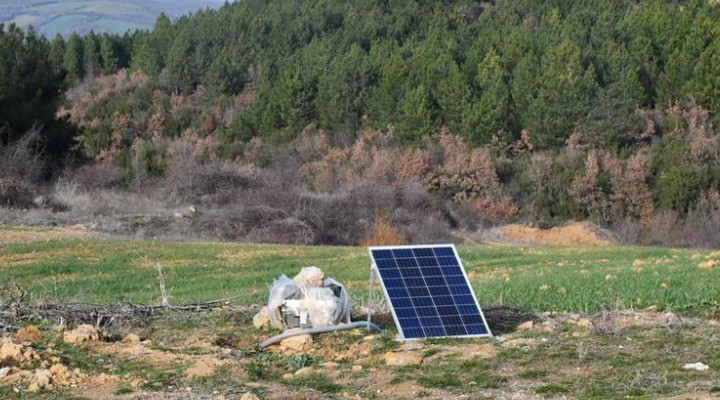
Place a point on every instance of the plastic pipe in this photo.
(332, 328)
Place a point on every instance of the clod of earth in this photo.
(131, 338)
(402, 359)
(41, 380)
(203, 367)
(709, 264)
(297, 343)
(262, 318)
(11, 355)
(30, 333)
(304, 371)
(81, 334)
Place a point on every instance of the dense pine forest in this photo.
(416, 117)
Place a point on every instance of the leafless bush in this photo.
(414, 196)
(288, 230)
(336, 218)
(103, 175)
(215, 184)
(629, 231)
(22, 159)
(703, 221)
(668, 228)
(418, 227)
(465, 217)
(662, 228)
(16, 193)
(607, 324)
(21, 168)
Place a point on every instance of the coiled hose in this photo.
(324, 329)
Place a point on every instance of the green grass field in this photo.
(618, 356)
(567, 279)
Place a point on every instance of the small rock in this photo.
(698, 366)
(525, 326)
(357, 368)
(402, 359)
(131, 338)
(249, 396)
(584, 323)
(709, 264)
(11, 355)
(304, 371)
(40, 380)
(262, 318)
(106, 380)
(61, 373)
(547, 326)
(4, 372)
(83, 333)
(297, 343)
(30, 355)
(30, 333)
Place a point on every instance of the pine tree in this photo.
(415, 115)
(490, 113)
(108, 56)
(73, 59)
(564, 96)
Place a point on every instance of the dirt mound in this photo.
(577, 233)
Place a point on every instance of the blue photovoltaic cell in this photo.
(428, 291)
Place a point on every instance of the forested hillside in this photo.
(510, 110)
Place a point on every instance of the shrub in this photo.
(101, 175)
(383, 233)
(288, 230)
(22, 159)
(211, 184)
(16, 193)
(21, 168)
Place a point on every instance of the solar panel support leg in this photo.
(371, 291)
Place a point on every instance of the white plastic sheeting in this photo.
(323, 307)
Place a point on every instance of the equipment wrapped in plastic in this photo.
(294, 304)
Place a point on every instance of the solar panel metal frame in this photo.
(375, 273)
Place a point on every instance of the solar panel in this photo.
(428, 291)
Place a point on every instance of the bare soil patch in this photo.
(550, 358)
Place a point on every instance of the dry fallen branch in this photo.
(101, 315)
